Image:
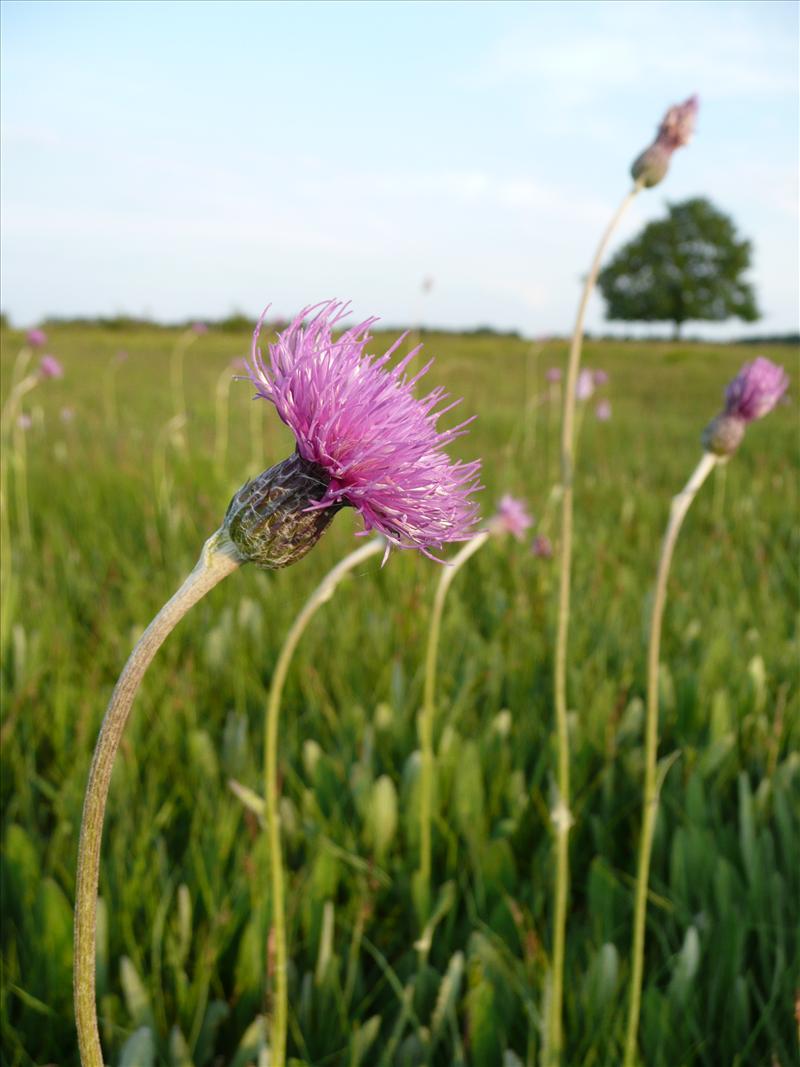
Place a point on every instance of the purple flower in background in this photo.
(542, 547)
(511, 517)
(675, 131)
(600, 377)
(756, 389)
(36, 338)
(374, 445)
(121, 356)
(603, 410)
(67, 414)
(553, 375)
(753, 393)
(24, 421)
(584, 387)
(199, 328)
(50, 367)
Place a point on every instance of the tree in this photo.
(687, 266)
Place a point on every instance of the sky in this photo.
(189, 159)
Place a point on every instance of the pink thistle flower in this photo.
(374, 445)
(752, 394)
(50, 367)
(511, 517)
(603, 410)
(24, 421)
(600, 377)
(675, 131)
(553, 375)
(756, 389)
(36, 338)
(199, 328)
(67, 414)
(542, 547)
(584, 387)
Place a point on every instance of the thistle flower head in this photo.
(24, 421)
(753, 393)
(603, 410)
(50, 367)
(372, 443)
(511, 517)
(600, 376)
(553, 375)
(584, 387)
(272, 520)
(36, 338)
(199, 328)
(756, 389)
(675, 131)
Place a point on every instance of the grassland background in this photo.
(183, 945)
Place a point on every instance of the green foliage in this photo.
(686, 267)
(183, 938)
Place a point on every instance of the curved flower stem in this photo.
(320, 596)
(217, 560)
(680, 505)
(8, 424)
(563, 820)
(448, 573)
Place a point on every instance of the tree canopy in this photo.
(688, 266)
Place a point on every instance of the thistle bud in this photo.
(723, 435)
(275, 519)
(675, 131)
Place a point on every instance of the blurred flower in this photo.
(675, 131)
(756, 389)
(753, 393)
(542, 547)
(67, 414)
(363, 439)
(603, 410)
(50, 367)
(24, 421)
(199, 328)
(553, 374)
(36, 338)
(584, 387)
(511, 517)
(600, 377)
(121, 356)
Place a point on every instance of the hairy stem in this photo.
(320, 596)
(563, 820)
(217, 560)
(448, 573)
(680, 506)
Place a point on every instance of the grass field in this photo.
(121, 501)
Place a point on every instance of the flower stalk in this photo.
(562, 824)
(320, 596)
(680, 506)
(427, 718)
(217, 560)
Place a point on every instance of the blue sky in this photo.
(188, 159)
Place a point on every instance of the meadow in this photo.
(122, 497)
